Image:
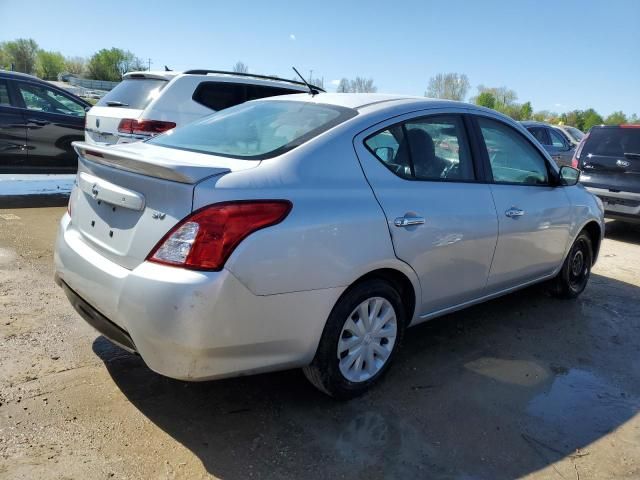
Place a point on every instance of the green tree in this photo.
(526, 111)
(591, 118)
(22, 53)
(616, 118)
(4, 58)
(75, 65)
(574, 118)
(486, 99)
(112, 64)
(451, 86)
(50, 64)
(634, 119)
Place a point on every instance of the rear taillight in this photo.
(575, 161)
(205, 239)
(144, 127)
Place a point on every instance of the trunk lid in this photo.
(610, 159)
(127, 197)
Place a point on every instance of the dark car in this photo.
(554, 142)
(609, 157)
(38, 122)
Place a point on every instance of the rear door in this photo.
(534, 217)
(442, 220)
(610, 158)
(13, 131)
(54, 120)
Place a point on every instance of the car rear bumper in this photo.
(618, 205)
(190, 325)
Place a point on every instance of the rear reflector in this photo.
(144, 127)
(206, 238)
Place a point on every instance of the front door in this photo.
(442, 222)
(54, 121)
(533, 216)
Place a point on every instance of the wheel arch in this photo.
(594, 231)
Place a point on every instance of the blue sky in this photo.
(560, 55)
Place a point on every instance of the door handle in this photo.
(408, 221)
(514, 212)
(41, 123)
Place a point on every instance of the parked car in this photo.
(310, 231)
(38, 123)
(553, 141)
(572, 134)
(145, 104)
(609, 157)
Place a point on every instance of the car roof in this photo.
(23, 76)
(534, 123)
(226, 76)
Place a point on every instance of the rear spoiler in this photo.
(160, 167)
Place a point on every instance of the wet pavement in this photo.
(525, 386)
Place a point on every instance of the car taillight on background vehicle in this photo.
(206, 238)
(144, 127)
(575, 161)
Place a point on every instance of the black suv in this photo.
(553, 141)
(609, 157)
(38, 122)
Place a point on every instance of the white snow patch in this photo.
(32, 184)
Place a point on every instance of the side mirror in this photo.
(384, 153)
(569, 176)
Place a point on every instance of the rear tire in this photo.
(574, 275)
(360, 340)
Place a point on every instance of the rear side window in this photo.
(219, 95)
(512, 158)
(429, 148)
(612, 142)
(133, 93)
(4, 94)
(540, 134)
(262, 91)
(257, 130)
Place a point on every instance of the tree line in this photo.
(24, 55)
(455, 86)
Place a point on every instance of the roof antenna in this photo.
(312, 90)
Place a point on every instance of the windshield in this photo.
(576, 134)
(133, 93)
(256, 130)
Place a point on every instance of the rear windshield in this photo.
(575, 133)
(133, 93)
(256, 130)
(613, 142)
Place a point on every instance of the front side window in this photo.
(512, 158)
(43, 99)
(556, 139)
(429, 148)
(256, 130)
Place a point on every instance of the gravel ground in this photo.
(525, 386)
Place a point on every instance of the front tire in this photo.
(362, 335)
(576, 270)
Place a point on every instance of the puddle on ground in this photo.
(580, 407)
(515, 372)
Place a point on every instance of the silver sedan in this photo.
(311, 230)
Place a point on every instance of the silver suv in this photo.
(312, 230)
